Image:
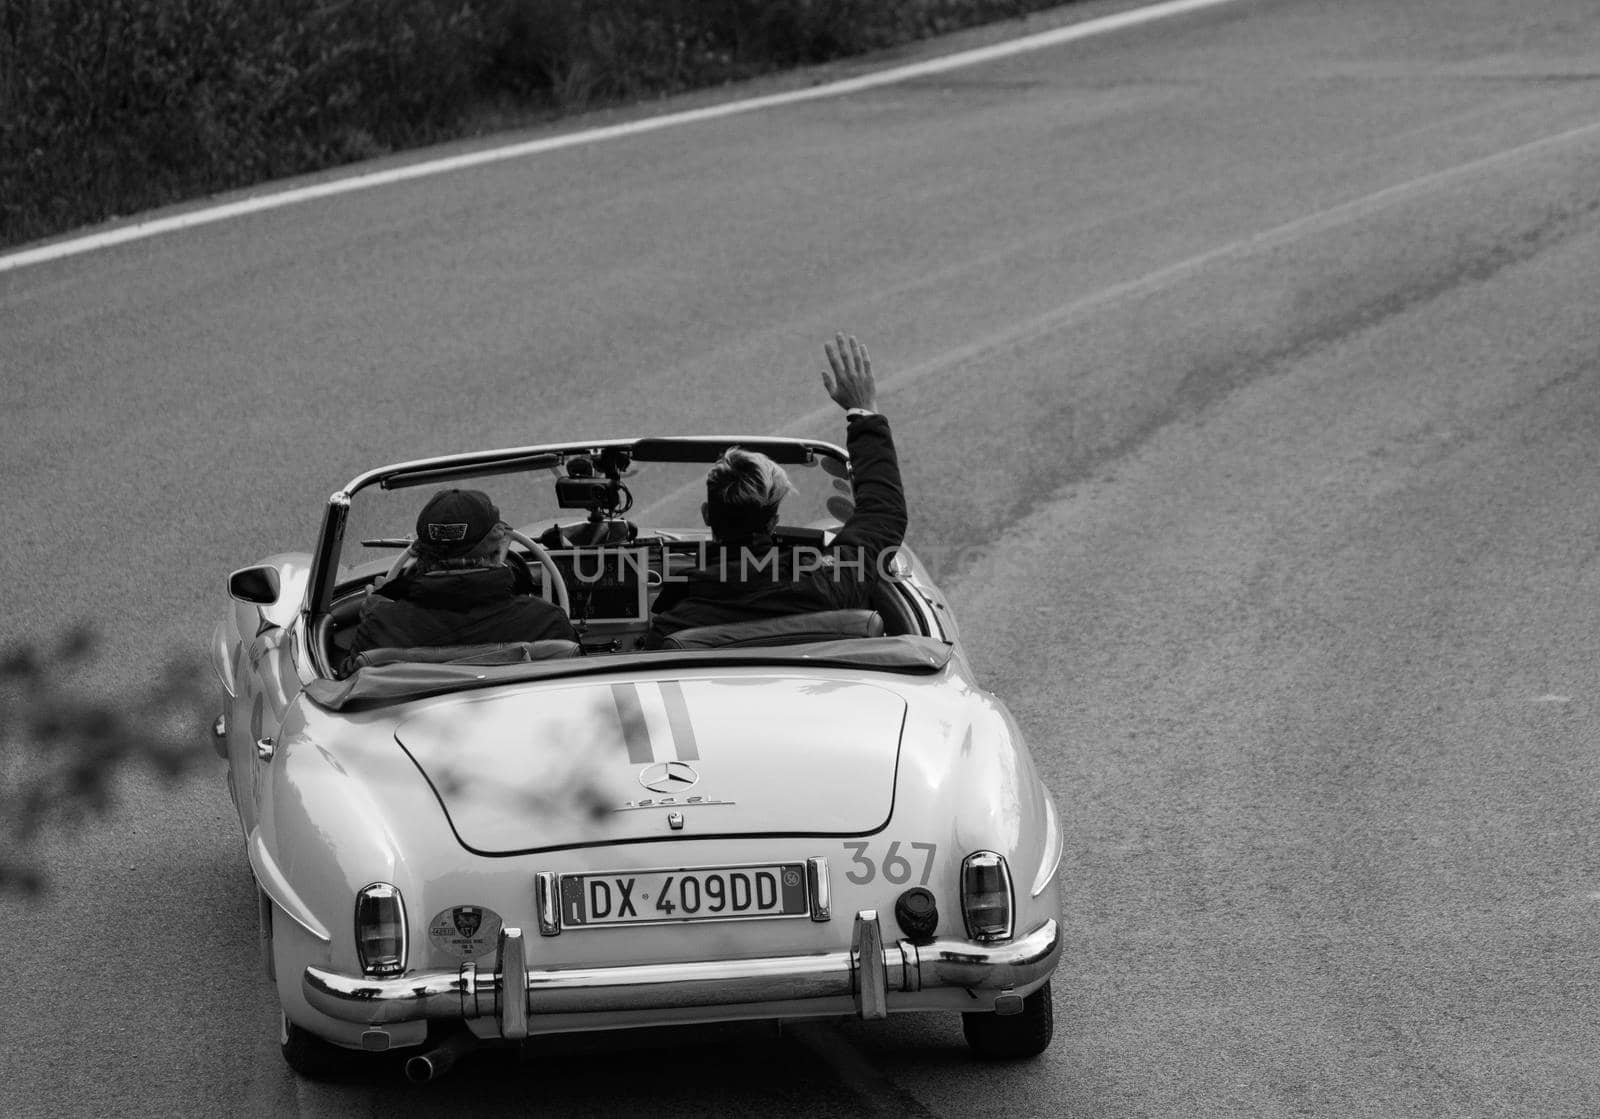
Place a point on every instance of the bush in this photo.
(109, 106)
(114, 106)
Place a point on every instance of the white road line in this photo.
(1043, 40)
(1066, 315)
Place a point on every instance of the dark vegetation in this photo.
(109, 107)
(62, 755)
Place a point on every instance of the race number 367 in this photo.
(898, 863)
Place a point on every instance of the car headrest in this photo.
(503, 652)
(791, 629)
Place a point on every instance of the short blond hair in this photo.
(743, 491)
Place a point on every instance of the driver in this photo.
(748, 577)
(458, 590)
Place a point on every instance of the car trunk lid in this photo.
(738, 755)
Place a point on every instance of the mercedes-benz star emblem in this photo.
(668, 777)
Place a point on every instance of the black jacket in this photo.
(455, 607)
(763, 580)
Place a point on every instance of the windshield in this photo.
(655, 494)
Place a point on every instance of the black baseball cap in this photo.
(455, 521)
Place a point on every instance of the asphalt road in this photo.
(1245, 367)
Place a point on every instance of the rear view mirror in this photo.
(257, 585)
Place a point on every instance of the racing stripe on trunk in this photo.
(678, 721)
(656, 727)
(630, 714)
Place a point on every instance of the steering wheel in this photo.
(555, 587)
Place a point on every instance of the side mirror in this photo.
(256, 585)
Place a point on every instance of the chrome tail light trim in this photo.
(987, 900)
(380, 916)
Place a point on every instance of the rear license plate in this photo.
(655, 897)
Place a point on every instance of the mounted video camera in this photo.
(596, 486)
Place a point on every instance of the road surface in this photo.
(1245, 370)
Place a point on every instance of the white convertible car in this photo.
(816, 816)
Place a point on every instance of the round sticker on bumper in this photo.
(465, 932)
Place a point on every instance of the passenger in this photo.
(459, 591)
(747, 577)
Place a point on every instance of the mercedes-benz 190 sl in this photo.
(816, 816)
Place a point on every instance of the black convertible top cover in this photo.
(395, 683)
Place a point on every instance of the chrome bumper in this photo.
(868, 975)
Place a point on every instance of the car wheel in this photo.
(1011, 1036)
(310, 1056)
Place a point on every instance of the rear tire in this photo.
(1012, 1037)
(312, 1057)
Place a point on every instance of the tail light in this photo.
(986, 896)
(381, 930)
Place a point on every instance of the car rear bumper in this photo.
(870, 980)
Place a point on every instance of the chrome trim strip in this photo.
(264, 923)
(277, 887)
(544, 888)
(1054, 838)
(221, 663)
(324, 561)
(920, 601)
(513, 986)
(866, 963)
(817, 886)
(827, 977)
(509, 458)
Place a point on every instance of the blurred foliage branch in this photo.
(61, 753)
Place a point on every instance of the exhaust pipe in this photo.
(440, 1059)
